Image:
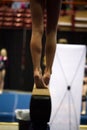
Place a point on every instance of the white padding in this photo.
(22, 114)
(67, 73)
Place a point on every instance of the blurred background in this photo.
(15, 35)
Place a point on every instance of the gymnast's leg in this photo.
(36, 39)
(53, 11)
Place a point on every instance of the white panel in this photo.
(67, 72)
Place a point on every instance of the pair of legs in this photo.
(37, 11)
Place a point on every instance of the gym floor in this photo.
(15, 126)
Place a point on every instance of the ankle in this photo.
(37, 72)
(47, 71)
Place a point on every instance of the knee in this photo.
(40, 31)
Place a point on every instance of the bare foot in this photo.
(38, 79)
(46, 77)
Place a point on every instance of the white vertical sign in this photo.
(66, 86)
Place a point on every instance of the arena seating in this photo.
(21, 18)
